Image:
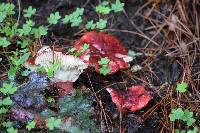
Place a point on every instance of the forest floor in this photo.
(167, 37)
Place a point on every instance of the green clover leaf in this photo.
(176, 114)
(117, 6)
(104, 70)
(103, 8)
(4, 42)
(2, 16)
(182, 87)
(54, 17)
(90, 25)
(101, 24)
(12, 130)
(8, 88)
(3, 110)
(53, 123)
(84, 47)
(30, 125)
(29, 12)
(40, 31)
(104, 61)
(6, 101)
(7, 124)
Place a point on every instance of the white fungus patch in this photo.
(70, 67)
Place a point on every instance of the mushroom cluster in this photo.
(101, 45)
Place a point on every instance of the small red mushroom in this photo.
(133, 99)
(104, 45)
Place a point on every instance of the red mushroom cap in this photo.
(133, 99)
(104, 45)
(102, 42)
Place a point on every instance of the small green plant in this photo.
(16, 63)
(90, 25)
(104, 66)
(23, 58)
(54, 17)
(30, 125)
(4, 104)
(182, 87)
(53, 123)
(84, 48)
(26, 28)
(8, 89)
(117, 6)
(103, 8)
(7, 124)
(9, 127)
(22, 35)
(52, 68)
(40, 31)
(184, 115)
(75, 18)
(6, 101)
(4, 42)
(50, 100)
(6, 9)
(3, 110)
(9, 31)
(75, 52)
(194, 130)
(12, 130)
(2, 17)
(101, 24)
(29, 12)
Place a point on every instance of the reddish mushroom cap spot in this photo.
(31, 61)
(133, 99)
(64, 88)
(104, 45)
